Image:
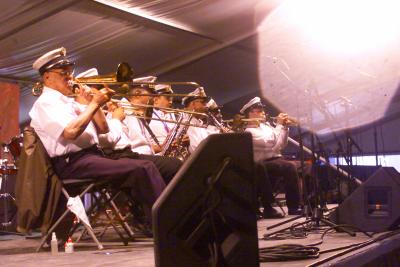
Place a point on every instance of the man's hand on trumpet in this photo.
(282, 119)
(285, 120)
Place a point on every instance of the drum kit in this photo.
(9, 156)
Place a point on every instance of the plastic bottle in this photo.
(69, 246)
(54, 244)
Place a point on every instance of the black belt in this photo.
(272, 158)
(75, 155)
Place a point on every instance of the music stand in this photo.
(207, 214)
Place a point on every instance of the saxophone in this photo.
(222, 128)
(178, 150)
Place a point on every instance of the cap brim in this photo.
(192, 98)
(57, 65)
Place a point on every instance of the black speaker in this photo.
(373, 206)
(206, 215)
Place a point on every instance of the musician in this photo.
(196, 101)
(143, 140)
(161, 129)
(215, 125)
(70, 135)
(268, 141)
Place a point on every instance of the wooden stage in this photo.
(21, 252)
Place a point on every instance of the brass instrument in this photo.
(168, 143)
(222, 128)
(123, 76)
(178, 150)
(127, 105)
(289, 121)
(239, 122)
(37, 89)
(130, 111)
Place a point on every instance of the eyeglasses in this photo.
(139, 93)
(64, 72)
(201, 101)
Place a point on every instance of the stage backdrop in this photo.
(9, 109)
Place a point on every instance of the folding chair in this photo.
(103, 200)
(80, 187)
(86, 185)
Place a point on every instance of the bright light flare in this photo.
(347, 26)
(333, 64)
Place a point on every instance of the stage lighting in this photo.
(333, 64)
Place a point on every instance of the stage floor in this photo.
(21, 252)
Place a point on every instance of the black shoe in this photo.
(295, 211)
(271, 213)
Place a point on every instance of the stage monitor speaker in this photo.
(373, 206)
(206, 215)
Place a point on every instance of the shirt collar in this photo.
(50, 92)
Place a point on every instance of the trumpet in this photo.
(289, 121)
(239, 123)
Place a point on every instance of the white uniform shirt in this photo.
(117, 137)
(196, 134)
(268, 141)
(162, 128)
(211, 129)
(50, 114)
(140, 139)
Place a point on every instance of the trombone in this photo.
(127, 105)
(130, 109)
(123, 76)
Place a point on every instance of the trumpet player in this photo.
(268, 141)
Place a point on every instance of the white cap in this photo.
(196, 94)
(51, 60)
(146, 79)
(88, 73)
(163, 89)
(256, 101)
(211, 104)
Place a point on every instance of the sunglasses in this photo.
(64, 72)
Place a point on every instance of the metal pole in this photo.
(341, 171)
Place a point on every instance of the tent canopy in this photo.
(213, 42)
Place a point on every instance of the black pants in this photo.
(268, 170)
(167, 166)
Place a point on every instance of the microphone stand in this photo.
(317, 214)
